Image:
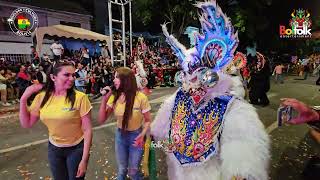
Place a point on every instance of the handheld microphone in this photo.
(103, 92)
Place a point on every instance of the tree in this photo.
(144, 10)
(251, 18)
(239, 21)
(179, 13)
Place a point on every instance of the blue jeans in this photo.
(64, 161)
(279, 77)
(305, 75)
(128, 156)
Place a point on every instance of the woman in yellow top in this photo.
(66, 113)
(130, 108)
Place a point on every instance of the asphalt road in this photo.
(23, 152)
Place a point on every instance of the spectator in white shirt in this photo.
(3, 89)
(85, 56)
(41, 75)
(81, 78)
(57, 50)
(105, 52)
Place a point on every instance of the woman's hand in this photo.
(82, 168)
(306, 114)
(139, 140)
(104, 112)
(106, 91)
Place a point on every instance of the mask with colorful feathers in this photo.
(213, 51)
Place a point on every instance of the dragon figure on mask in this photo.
(211, 131)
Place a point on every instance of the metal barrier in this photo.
(16, 58)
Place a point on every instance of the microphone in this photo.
(103, 92)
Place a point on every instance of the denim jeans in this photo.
(128, 156)
(305, 75)
(64, 161)
(279, 77)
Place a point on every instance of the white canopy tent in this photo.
(67, 32)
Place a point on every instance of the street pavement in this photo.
(23, 152)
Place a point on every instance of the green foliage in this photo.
(178, 12)
(240, 21)
(316, 23)
(250, 18)
(144, 10)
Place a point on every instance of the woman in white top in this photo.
(85, 56)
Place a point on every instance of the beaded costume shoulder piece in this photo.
(194, 134)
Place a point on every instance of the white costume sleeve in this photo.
(141, 70)
(244, 144)
(161, 124)
(237, 89)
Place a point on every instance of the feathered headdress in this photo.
(216, 45)
(239, 62)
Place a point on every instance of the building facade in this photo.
(17, 48)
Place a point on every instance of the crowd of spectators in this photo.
(94, 71)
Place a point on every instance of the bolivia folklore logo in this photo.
(23, 21)
(300, 25)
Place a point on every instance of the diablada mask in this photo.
(214, 50)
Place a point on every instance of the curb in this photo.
(9, 112)
(9, 116)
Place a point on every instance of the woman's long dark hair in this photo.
(49, 86)
(128, 86)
